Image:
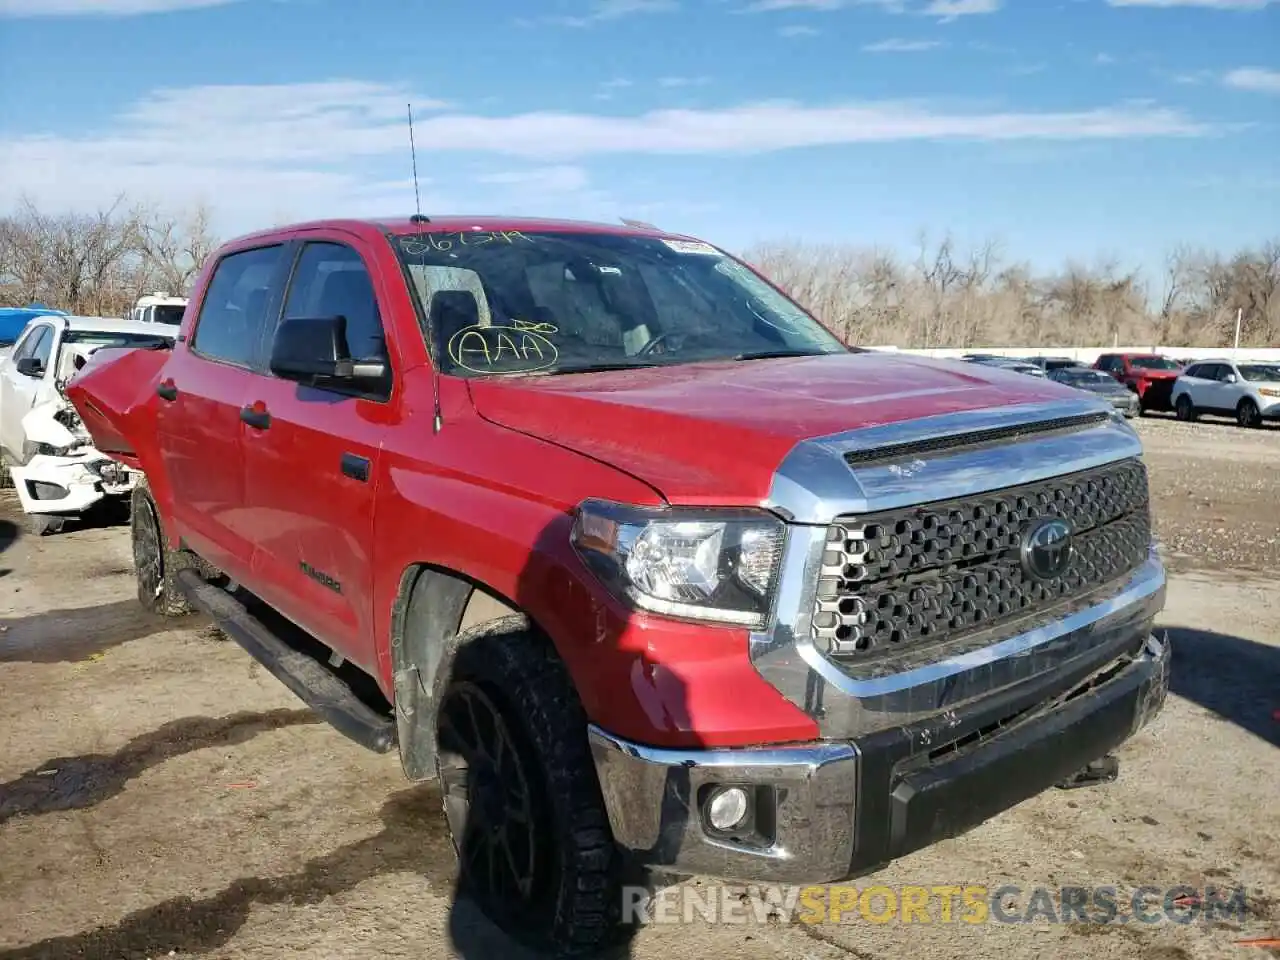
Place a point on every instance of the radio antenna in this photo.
(413, 155)
(437, 420)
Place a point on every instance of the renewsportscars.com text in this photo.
(967, 904)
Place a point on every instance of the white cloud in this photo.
(1206, 4)
(313, 146)
(950, 9)
(797, 31)
(556, 179)
(683, 81)
(104, 8)
(1257, 79)
(902, 46)
(606, 10)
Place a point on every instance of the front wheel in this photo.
(45, 524)
(1185, 408)
(155, 565)
(1247, 414)
(523, 805)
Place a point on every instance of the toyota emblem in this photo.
(1046, 549)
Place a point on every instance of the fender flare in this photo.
(436, 611)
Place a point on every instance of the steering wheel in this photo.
(648, 348)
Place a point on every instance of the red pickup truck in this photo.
(1149, 375)
(607, 535)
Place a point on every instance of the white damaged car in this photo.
(55, 468)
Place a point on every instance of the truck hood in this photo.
(714, 433)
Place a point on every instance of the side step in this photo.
(306, 677)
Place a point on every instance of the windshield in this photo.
(167, 313)
(1259, 372)
(1083, 376)
(551, 302)
(1153, 363)
(103, 338)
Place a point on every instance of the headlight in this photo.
(716, 565)
(1269, 391)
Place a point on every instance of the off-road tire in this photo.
(155, 564)
(576, 873)
(1247, 413)
(45, 524)
(1185, 409)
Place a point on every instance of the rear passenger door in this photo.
(311, 464)
(202, 397)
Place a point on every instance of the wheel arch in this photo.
(436, 610)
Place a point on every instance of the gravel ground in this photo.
(161, 795)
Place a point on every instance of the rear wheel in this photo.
(155, 565)
(521, 798)
(1247, 413)
(1185, 408)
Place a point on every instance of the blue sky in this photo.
(1078, 129)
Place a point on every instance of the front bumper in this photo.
(70, 485)
(834, 809)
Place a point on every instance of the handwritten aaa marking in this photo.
(521, 347)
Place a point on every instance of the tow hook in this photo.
(1104, 770)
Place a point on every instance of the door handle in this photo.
(256, 416)
(167, 391)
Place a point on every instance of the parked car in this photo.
(1048, 364)
(1010, 363)
(1250, 392)
(51, 460)
(1097, 382)
(1149, 375)
(158, 307)
(641, 561)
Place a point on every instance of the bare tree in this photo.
(98, 263)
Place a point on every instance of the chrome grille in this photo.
(939, 571)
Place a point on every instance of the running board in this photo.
(316, 686)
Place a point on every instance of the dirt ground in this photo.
(161, 795)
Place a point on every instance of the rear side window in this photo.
(1195, 370)
(234, 310)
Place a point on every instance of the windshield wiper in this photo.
(771, 354)
(614, 365)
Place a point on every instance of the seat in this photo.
(452, 311)
(349, 293)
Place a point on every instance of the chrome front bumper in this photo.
(831, 810)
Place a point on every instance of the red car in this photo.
(1149, 375)
(603, 532)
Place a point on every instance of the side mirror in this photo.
(1231, 378)
(31, 367)
(314, 350)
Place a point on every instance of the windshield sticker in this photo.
(522, 347)
(692, 246)
(444, 242)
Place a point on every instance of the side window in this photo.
(26, 343)
(44, 347)
(37, 344)
(331, 280)
(1212, 371)
(234, 309)
(1195, 371)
